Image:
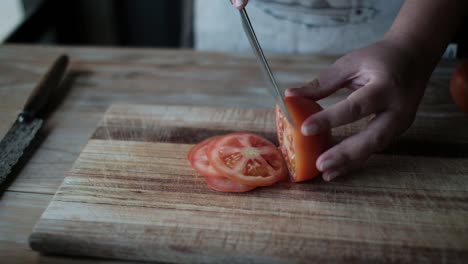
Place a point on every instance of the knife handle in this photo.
(41, 93)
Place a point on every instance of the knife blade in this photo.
(28, 123)
(268, 74)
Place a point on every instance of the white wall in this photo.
(11, 13)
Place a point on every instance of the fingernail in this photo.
(330, 176)
(315, 83)
(290, 92)
(238, 3)
(327, 164)
(310, 130)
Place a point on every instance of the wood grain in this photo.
(132, 195)
(18, 213)
(101, 76)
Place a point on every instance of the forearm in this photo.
(425, 27)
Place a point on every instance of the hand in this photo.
(239, 4)
(387, 81)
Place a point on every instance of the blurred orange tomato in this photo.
(459, 86)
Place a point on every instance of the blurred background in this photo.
(136, 23)
(286, 26)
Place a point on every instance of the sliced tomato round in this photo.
(198, 159)
(300, 152)
(222, 184)
(247, 159)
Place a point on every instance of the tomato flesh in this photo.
(199, 161)
(300, 152)
(247, 159)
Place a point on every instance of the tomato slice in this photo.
(199, 161)
(300, 152)
(247, 159)
(225, 185)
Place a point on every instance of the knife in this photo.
(28, 123)
(249, 31)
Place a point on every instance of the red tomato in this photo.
(199, 161)
(247, 159)
(300, 152)
(459, 86)
(225, 185)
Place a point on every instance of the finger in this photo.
(239, 4)
(332, 174)
(352, 152)
(327, 82)
(359, 104)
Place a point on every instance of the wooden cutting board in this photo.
(132, 195)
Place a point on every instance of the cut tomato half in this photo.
(300, 152)
(247, 159)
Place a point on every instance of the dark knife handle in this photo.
(41, 93)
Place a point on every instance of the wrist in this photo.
(415, 50)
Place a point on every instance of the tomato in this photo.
(459, 86)
(300, 152)
(225, 185)
(199, 161)
(247, 159)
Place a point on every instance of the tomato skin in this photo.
(198, 159)
(305, 150)
(222, 184)
(459, 86)
(256, 169)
